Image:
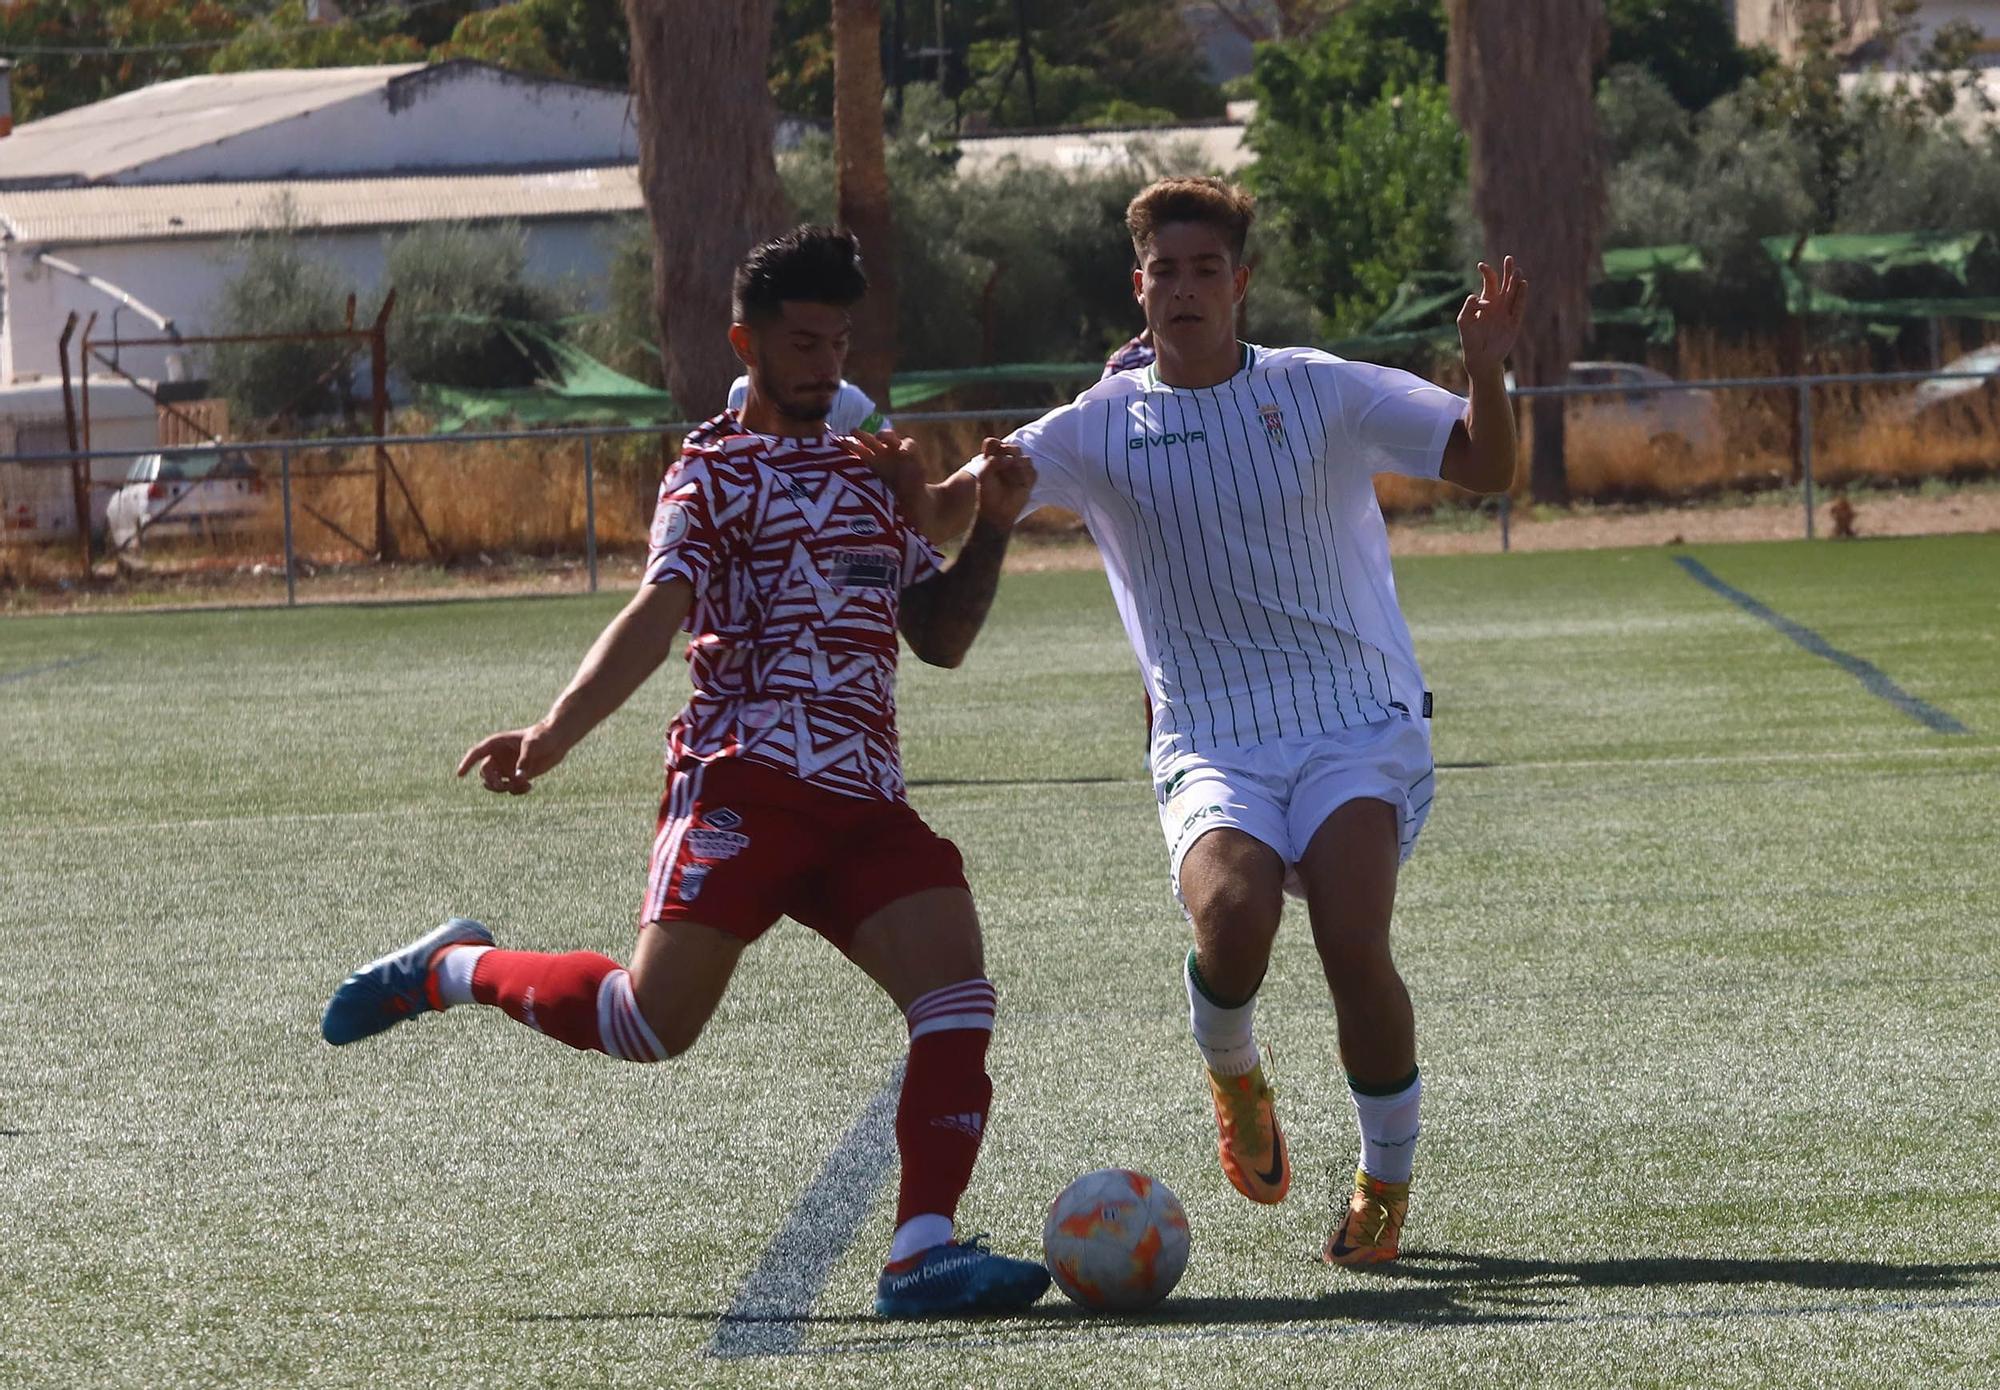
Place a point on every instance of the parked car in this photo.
(185, 492)
(1959, 402)
(1685, 420)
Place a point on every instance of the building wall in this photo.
(1775, 23)
(31, 422)
(184, 280)
(1217, 149)
(454, 118)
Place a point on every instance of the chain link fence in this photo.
(567, 510)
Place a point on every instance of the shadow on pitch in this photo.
(1457, 1267)
(1426, 1288)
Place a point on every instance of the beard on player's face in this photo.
(799, 358)
(799, 401)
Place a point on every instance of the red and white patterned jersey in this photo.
(798, 560)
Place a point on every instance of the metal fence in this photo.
(288, 463)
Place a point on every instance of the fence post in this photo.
(589, 515)
(1805, 450)
(291, 568)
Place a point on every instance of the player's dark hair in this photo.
(1209, 201)
(820, 265)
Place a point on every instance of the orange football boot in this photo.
(1251, 1145)
(1372, 1230)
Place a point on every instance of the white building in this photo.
(1212, 147)
(134, 208)
(1777, 24)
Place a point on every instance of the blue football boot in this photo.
(382, 993)
(958, 1278)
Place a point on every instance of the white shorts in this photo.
(1281, 792)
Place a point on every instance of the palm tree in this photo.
(1521, 85)
(861, 187)
(707, 171)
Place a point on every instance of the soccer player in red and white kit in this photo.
(780, 549)
(1230, 488)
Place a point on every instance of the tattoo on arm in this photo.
(942, 615)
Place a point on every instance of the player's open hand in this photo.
(1490, 322)
(1004, 483)
(510, 762)
(895, 461)
(893, 458)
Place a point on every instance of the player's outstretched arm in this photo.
(942, 615)
(1481, 454)
(630, 648)
(940, 512)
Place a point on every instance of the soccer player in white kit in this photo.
(1231, 490)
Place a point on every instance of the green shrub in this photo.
(280, 289)
(1031, 264)
(457, 287)
(625, 334)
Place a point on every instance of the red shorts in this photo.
(740, 845)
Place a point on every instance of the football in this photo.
(1116, 1240)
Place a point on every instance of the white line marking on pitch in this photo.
(765, 1317)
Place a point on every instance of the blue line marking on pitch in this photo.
(1869, 674)
(9, 677)
(765, 1318)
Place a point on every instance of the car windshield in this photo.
(187, 468)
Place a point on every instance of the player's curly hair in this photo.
(1223, 206)
(820, 265)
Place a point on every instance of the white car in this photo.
(185, 492)
(1958, 402)
(1687, 420)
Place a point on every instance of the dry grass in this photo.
(526, 497)
(38, 565)
(519, 497)
(1861, 435)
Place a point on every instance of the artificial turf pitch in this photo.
(1702, 935)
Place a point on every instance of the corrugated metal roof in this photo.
(87, 143)
(156, 212)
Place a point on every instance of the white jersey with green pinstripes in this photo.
(1243, 542)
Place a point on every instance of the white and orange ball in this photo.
(1116, 1240)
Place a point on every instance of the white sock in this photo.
(1224, 1035)
(919, 1234)
(1389, 1130)
(454, 973)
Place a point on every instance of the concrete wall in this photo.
(453, 118)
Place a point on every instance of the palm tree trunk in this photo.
(861, 187)
(1522, 85)
(707, 171)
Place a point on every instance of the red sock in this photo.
(581, 998)
(946, 1093)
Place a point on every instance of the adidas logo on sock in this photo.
(972, 1124)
